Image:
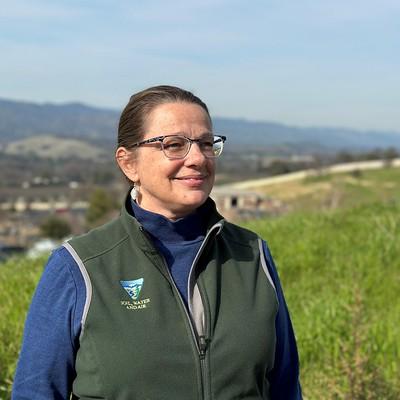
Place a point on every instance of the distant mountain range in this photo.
(21, 120)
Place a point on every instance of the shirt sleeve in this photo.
(284, 377)
(45, 367)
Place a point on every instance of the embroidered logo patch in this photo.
(133, 288)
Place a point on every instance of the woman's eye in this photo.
(207, 144)
(172, 145)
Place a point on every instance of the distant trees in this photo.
(101, 204)
(55, 228)
(344, 156)
(390, 154)
(279, 167)
(387, 155)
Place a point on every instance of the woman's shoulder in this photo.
(60, 271)
(239, 234)
(97, 240)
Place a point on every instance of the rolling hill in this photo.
(20, 120)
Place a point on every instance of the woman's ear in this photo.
(127, 163)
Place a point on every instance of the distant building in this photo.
(243, 204)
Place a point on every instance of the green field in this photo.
(18, 279)
(340, 270)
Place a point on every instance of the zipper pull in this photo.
(203, 344)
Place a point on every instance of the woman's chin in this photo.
(189, 204)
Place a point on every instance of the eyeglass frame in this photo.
(190, 140)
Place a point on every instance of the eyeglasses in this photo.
(178, 146)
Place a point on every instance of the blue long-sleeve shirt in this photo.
(51, 337)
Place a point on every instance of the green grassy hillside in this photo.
(18, 278)
(340, 271)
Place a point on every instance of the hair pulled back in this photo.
(132, 122)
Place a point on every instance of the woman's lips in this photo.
(202, 176)
(192, 180)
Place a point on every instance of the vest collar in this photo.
(213, 222)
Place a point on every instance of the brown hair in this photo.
(133, 117)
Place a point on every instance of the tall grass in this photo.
(18, 278)
(340, 271)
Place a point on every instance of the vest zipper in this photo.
(201, 342)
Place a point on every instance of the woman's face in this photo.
(174, 188)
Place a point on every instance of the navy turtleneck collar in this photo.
(178, 241)
(188, 228)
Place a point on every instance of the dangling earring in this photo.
(134, 192)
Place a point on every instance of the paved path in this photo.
(294, 176)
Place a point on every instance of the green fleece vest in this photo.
(140, 341)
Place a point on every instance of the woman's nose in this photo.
(195, 154)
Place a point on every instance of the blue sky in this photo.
(301, 62)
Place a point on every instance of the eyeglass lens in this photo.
(179, 146)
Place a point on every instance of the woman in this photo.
(168, 301)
